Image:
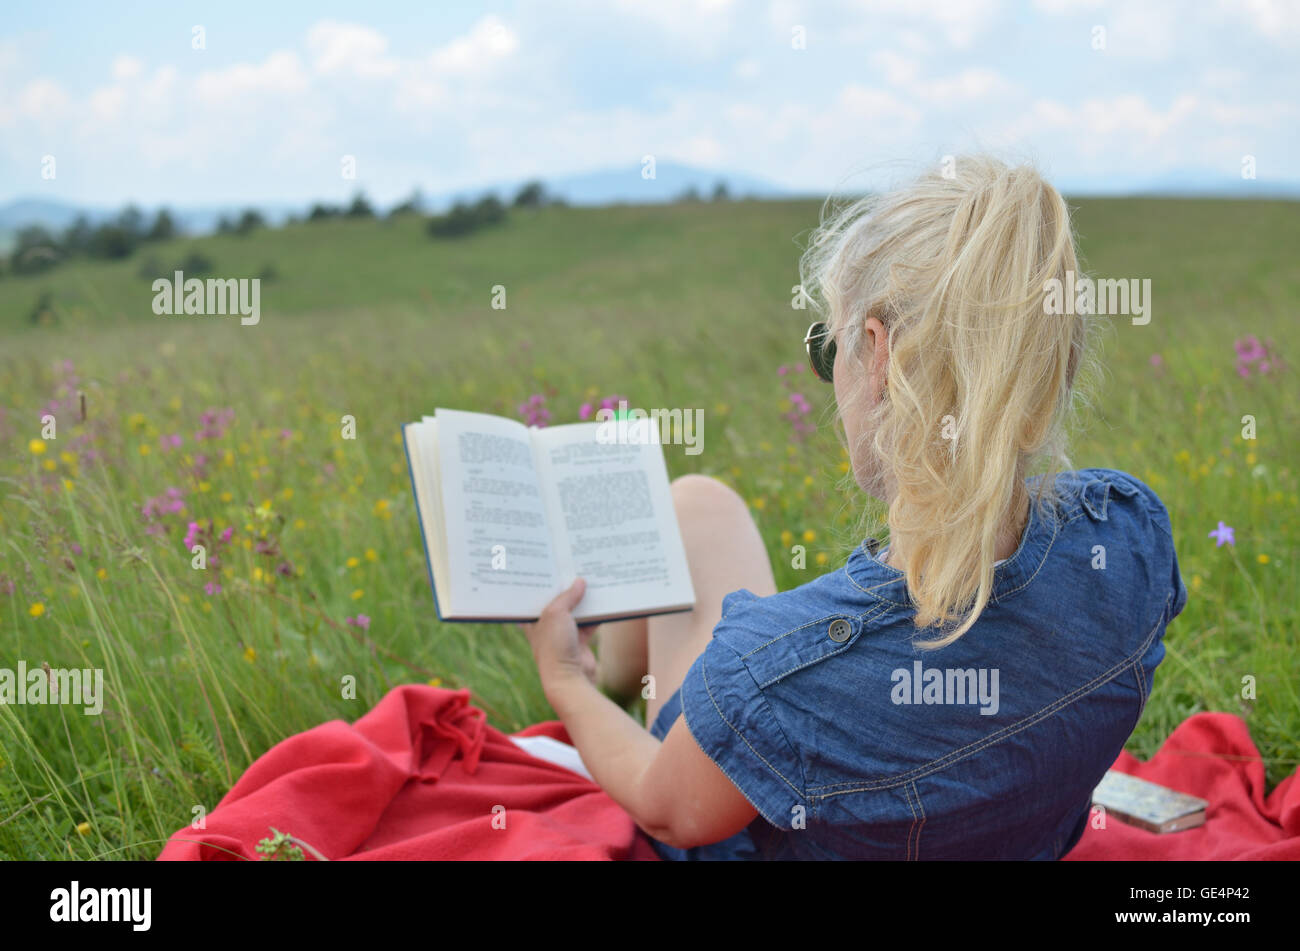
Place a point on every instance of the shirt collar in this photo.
(887, 583)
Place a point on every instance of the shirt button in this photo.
(840, 630)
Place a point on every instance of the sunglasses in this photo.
(820, 345)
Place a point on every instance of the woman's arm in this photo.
(672, 790)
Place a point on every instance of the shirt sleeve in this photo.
(734, 723)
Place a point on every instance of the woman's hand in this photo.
(561, 649)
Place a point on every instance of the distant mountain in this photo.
(631, 186)
(49, 214)
(1182, 183)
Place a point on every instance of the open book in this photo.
(511, 515)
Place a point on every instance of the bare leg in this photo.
(621, 658)
(725, 553)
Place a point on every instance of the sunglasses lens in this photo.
(821, 351)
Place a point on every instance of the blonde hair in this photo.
(955, 266)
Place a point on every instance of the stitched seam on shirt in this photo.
(704, 672)
(949, 758)
(723, 768)
(907, 797)
(1056, 530)
(788, 633)
(872, 590)
(863, 620)
(921, 808)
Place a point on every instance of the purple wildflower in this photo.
(1224, 533)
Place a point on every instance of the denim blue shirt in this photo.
(852, 742)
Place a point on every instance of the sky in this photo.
(242, 102)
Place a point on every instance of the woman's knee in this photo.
(700, 493)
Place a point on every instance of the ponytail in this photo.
(979, 376)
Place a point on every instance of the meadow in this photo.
(202, 430)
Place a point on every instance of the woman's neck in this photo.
(1008, 539)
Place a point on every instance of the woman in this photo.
(960, 693)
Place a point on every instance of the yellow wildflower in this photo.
(36, 446)
(36, 610)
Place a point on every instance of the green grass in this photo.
(686, 305)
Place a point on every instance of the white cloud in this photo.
(897, 68)
(1219, 77)
(1278, 20)
(959, 21)
(1148, 32)
(127, 67)
(487, 42)
(106, 103)
(865, 104)
(694, 25)
(280, 73)
(42, 99)
(1067, 7)
(970, 85)
(347, 47)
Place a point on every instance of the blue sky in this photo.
(448, 96)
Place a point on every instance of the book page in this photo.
(613, 519)
(500, 560)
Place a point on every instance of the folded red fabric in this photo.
(1212, 756)
(421, 776)
(424, 776)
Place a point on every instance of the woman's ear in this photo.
(875, 353)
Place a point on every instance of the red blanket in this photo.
(423, 776)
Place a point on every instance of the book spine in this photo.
(419, 517)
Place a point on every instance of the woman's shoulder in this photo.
(1094, 491)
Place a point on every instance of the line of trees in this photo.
(37, 248)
